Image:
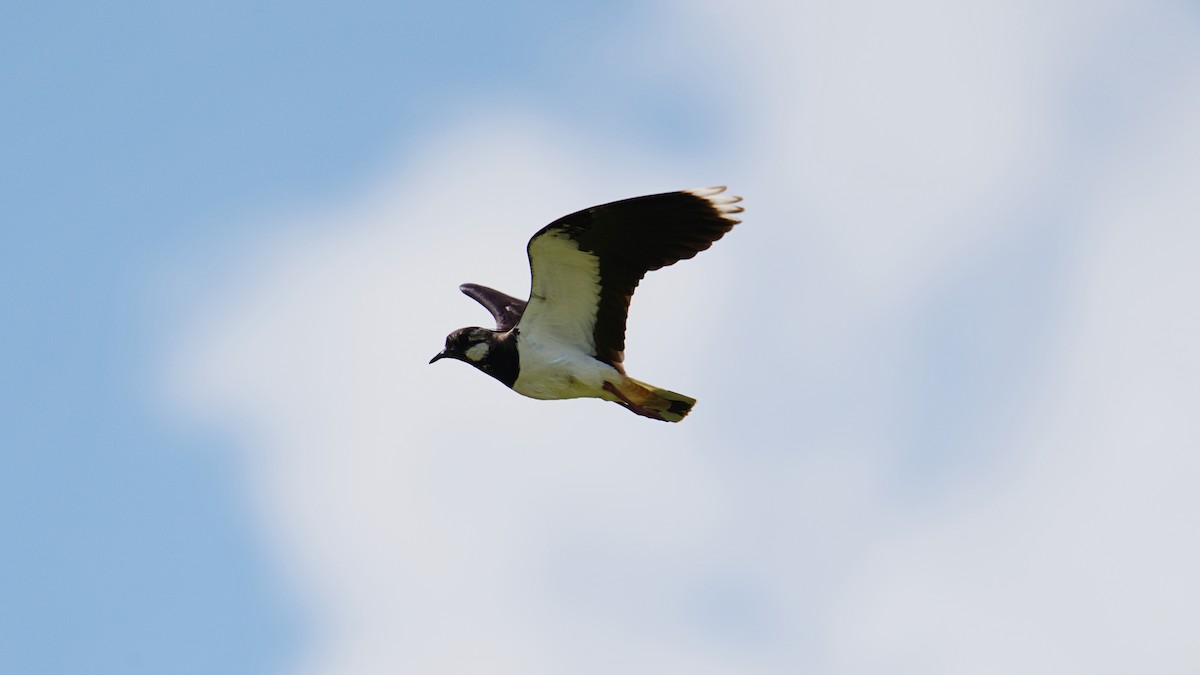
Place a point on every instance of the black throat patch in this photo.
(502, 360)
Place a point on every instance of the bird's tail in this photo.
(671, 407)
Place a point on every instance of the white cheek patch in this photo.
(477, 352)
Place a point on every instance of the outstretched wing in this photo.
(586, 265)
(506, 309)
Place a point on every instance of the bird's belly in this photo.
(548, 373)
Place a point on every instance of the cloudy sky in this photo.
(946, 367)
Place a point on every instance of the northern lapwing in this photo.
(568, 339)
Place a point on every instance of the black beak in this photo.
(440, 355)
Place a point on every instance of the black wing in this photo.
(506, 309)
(587, 265)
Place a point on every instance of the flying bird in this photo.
(568, 339)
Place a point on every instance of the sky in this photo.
(945, 367)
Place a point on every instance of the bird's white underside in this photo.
(551, 370)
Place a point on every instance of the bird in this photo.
(568, 339)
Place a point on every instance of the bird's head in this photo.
(467, 344)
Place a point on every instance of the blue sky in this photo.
(134, 133)
(957, 310)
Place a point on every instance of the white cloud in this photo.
(1084, 562)
(436, 522)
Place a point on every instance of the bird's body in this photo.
(553, 370)
(568, 339)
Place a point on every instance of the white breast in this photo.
(553, 370)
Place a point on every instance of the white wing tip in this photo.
(708, 191)
(724, 204)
